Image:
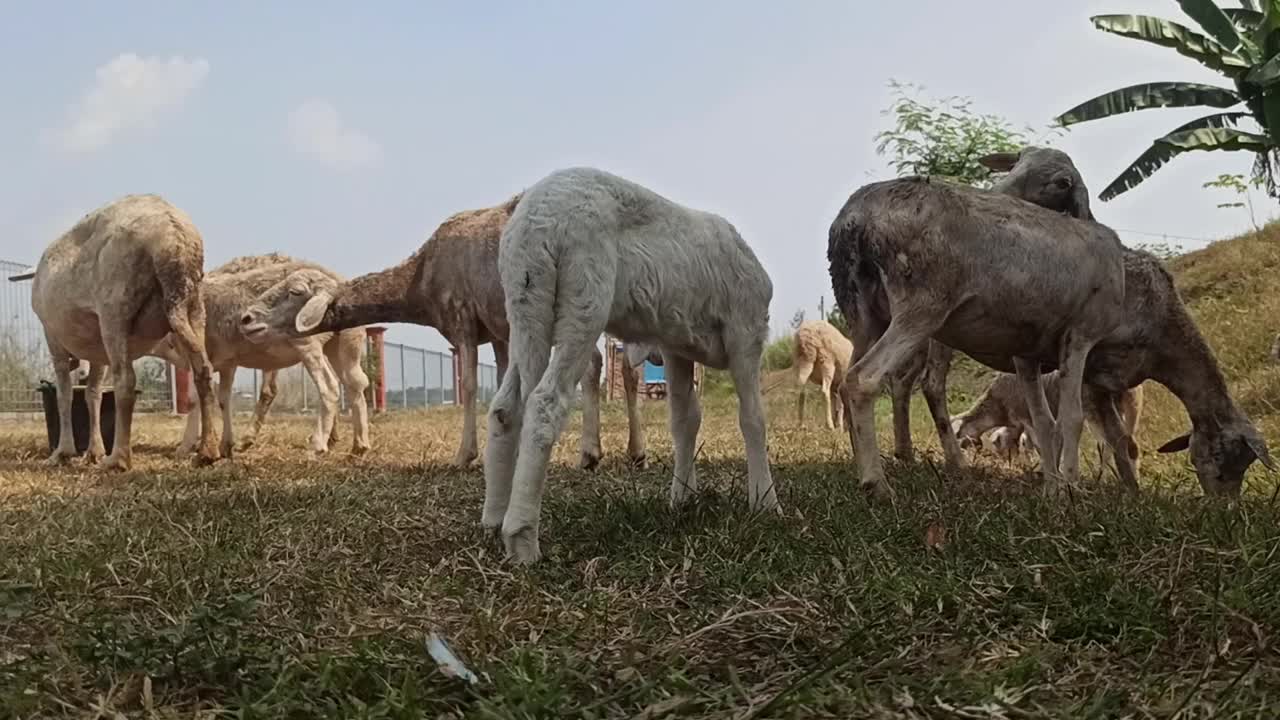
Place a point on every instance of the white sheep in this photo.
(584, 252)
(820, 355)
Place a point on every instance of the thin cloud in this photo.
(316, 129)
(129, 93)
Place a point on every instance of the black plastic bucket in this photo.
(79, 417)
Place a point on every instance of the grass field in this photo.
(277, 586)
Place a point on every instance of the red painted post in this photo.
(182, 390)
(380, 382)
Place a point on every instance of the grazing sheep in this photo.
(107, 291)
(1008, 442)
(450, 283)
(587, 252)
(1002, 405)
(1041, 176)
(329, 358)
(820, 355)
(913, 260)
(1155, 339)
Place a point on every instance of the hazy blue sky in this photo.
(345, 133)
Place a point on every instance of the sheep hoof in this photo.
(522, 546)
(640, 462)
(464, 458)
(359, 450)
(589, 460)
(205, 456)
(117, 463)
(225, 449)
(60, 457)
(877, 490)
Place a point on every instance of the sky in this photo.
(345, 134)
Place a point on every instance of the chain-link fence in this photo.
(414, 377)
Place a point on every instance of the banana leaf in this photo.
(1169, 34)
(1155, 157)
(1218, 26)
(1246, 20)
(1216, 139)
(1150, 95)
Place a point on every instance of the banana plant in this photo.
(1242, 44)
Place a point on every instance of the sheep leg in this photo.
(901, 343)
(467, 450)
(1043, 425)
(93, 398)
(186, 322)
(63, 362)
(1118, 437)
(900, 393)
(191, 431)
(354, 379)
(803, 370)
(266, 397)
(901, 383)
(506, 418)
(326, 383)
(116, 340)
(636, 449)
(589, 445)
(226, 379)
(500, 359)
(546, 410)
(686, 419)
(828, 374)
(744, 366)
(934, 389)
(1071, 406)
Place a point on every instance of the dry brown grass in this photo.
(275, 585)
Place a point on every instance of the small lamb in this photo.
(820, 355)
(1002, 405)
(587, 252)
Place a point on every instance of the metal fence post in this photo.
(404, 395)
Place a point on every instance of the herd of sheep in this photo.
(919, 268)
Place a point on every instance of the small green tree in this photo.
(943, 137)
(1238, 185)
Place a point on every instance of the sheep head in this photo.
(293, 307)
(1044, 177)
(1222, 452)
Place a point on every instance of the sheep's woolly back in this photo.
(672, 276)
(818, 343)
(253, 262)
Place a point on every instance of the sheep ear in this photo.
(1080, 202)
(312, 313)
(1259, 448)
(999, 162)
(1182, 442)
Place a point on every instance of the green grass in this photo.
(276, 586)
